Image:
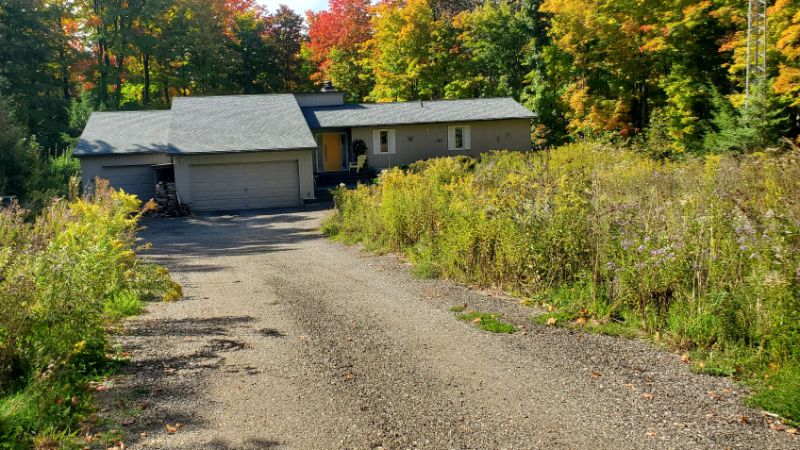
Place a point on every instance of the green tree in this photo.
(19, 159)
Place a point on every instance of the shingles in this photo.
(238, 123)
(126, 132)
(408, 113)
(235, 123)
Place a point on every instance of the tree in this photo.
(401, 50)
(29, 49)
(493, 39)
(285, 32)
(343, 28)
(757, 126)
(19, 158)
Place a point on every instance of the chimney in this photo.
(327, 86)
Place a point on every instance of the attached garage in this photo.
(225, 152)
(123, 148)
(244, 186)
(137, 180)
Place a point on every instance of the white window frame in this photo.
(390, 138)
(466, 137)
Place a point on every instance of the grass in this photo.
(488, 322)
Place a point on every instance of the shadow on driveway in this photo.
(230, 234)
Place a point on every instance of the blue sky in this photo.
(299, 6)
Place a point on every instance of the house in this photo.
(263, 151)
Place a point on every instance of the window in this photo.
(383, 142)
(458, 137)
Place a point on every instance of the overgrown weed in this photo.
(700, 254)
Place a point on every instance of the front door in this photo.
(332, 151)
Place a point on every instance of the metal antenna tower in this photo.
(756, 45)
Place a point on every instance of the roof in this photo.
(235, 123)
(241, 123)
(123, 133)
(409, 113)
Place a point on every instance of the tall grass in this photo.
(703, 254)
(64, 278)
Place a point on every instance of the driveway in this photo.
(287, 340)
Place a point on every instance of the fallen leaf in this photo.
(685, 358)
(476, 320)
(629, 385)
(580, 321)
(172, 428)
(792, 431)
(596, 374)
(744, 419)
(551, 308)
(776, 427)
(551, 321)
(651, 433)
(647, 396)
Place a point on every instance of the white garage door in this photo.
(138, 180)
(217, 187)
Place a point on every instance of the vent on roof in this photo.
(327, 86)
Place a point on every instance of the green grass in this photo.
(488, 322)
(778, 391)
(457, 308)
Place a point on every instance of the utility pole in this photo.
(756, 69)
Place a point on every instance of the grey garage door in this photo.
(138, 180)
(217, 187)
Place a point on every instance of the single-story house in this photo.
(261, 151)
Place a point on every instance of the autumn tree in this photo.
(401, 50)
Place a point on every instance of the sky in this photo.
(299, 6)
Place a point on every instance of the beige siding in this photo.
(416, 142)
(102, 166)
(183, 163)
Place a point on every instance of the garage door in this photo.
(217, 187)
(137, 180)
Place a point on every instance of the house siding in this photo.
(96, 166)
(303, 157)
(417, 142)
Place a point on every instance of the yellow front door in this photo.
(332, 149)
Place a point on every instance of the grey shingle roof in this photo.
(124, 132)
(407, 113)
(233, 123)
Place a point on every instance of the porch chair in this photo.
(359, 164)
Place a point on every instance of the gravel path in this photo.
(286, 340)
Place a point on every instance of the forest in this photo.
(671, 72)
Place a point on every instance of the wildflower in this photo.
(640, 248)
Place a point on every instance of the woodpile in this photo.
(167, 201)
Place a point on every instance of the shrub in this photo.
(702, 252)
(63, 279)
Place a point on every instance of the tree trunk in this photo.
(146, 68)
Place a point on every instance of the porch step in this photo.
(333, 179)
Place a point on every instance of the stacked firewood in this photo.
(167, 200)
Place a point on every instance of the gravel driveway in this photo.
(287, 340)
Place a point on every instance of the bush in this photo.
(704, 253)
(63, 279)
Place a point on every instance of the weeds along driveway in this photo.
(287, 340)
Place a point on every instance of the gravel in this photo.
(287, 340)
